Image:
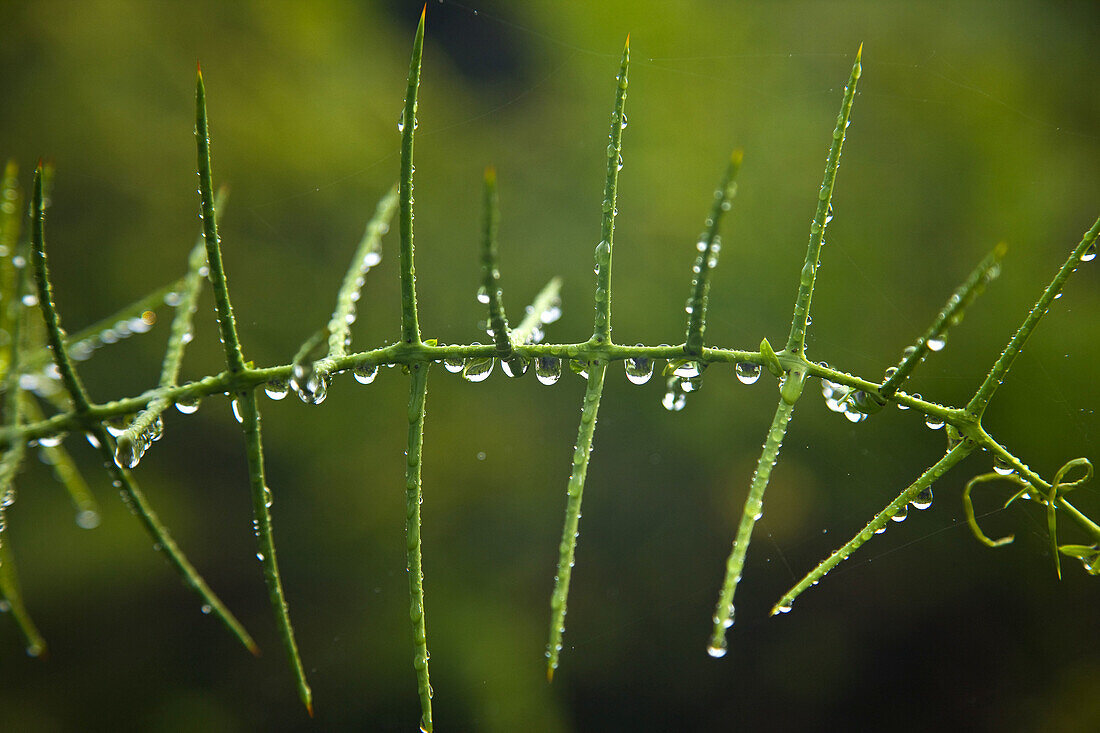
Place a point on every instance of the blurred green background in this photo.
(975, 122)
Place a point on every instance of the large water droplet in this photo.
(933, 422)
(188, 405)
(548, 369)
(483, 295)
(716, 651)
(901, 514)
(514, 367)
(1002, 467)
(365, 373)
(638, 369)
(747, 372)
(674, 400)
(1089, 254)
(923, 500)
(276, 389)
(688, 370)
(478, 368)
(936, 343)
(236, 410)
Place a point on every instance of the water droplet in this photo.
(365, 373)
(716, 651)
(688, 370)
(890, 371)
(87, 519)
(206, 608)
(622, 121)
(901, 514)
(189, 405)
(1089, 254)
(276, 389)
(619, 163)
(784, 608)
(936, 343)
(674, 400)
(933, 422)
(483, 295)
(478, 368)
(747, 372)
(51, 441)
(552, 313)
(514, 367)
(638, 369)
(30, 300)
(314, 391)
(260, 556)
(1002, 467)
(547, 369)
(268, 498)
(923, 500)
(236, 410)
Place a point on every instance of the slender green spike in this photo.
(968, 508)
(602, 328)
(129, 489)
(87, 340)
(65, 470)
(878, 524)
(546, 308)
(12, 594)
(754, 508)
(796, 342)
(45, 301)
(951, 314)
(367, 255)
(490, 267)
(261, 508)
(418, 393)
(163, 542)
(575, 491)
(11, 205)
(996, 375)
(410, 326)
(709, 244)
(227, 324)
(147, 426)
(246, 401)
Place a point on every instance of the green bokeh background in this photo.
(975, 122)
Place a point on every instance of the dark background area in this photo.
(975, 123)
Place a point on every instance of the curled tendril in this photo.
(1062, 487)
(968, 507)
(1088, 554)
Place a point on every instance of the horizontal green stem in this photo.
(401, 353)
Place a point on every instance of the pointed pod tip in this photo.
(423, 12)
(252, 647)
(309, 708)
(198, 69)
(549, 674)
(859, 52)
(1000, 249)
(737, 156)
(490, 174)
(627, 45)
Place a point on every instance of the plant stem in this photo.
(575, 492)
(410, 327)
(418, 391)
(796, 342)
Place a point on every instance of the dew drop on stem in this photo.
(547, 369)
(365, 373)
(747, 372)
(638, 369)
